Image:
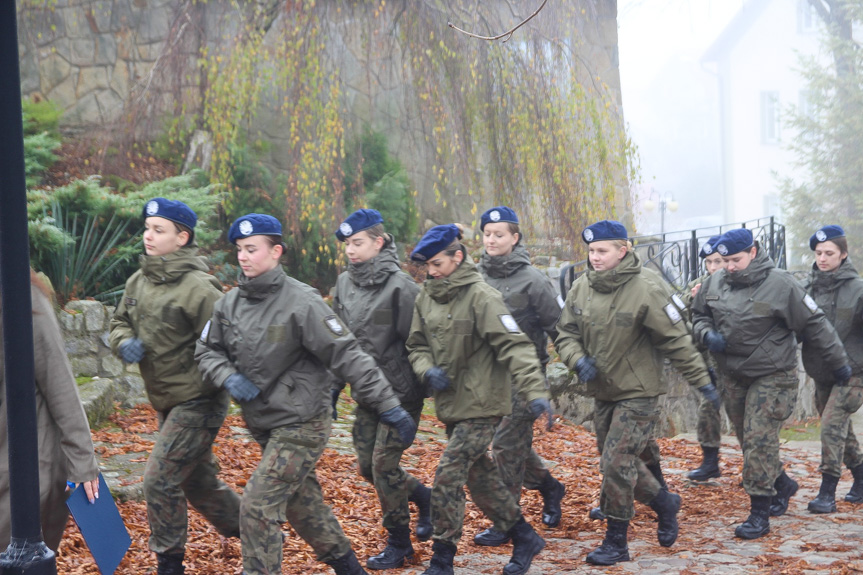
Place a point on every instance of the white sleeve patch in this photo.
(678, 302)
(560, 302)
(206, 331)
(673, 313)
(810, 303)
(509, 323)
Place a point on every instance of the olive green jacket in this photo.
(280, 334)
(461, 325)
(626, 320)
(376, 300)
(759, 310)
(528, 294)
(840, 296)
(166, 305)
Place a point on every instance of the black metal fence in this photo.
(675, 254)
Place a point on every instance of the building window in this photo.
(770, 117)
(806, 17)
(806, 106)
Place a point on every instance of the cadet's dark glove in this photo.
(586, 368)
(240, 388)
(403, 423)
(335, 392)
(540, 406)
(437, 378)
(711, 394)
(842, 375)
(132, 350)
(715, 341)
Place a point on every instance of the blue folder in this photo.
(102, 527)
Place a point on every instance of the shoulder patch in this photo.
(334, 325)
(509, 323)
(673, 313)
(678, 302)
(130, 301)
(206, 331)
(810, 303)
(560, 302)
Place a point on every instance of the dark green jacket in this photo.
(528, 294)
(376, 300)
(840, 296)
(166, 305)
(280, 334)
(759, 310)
(626, 320)
(461, 325)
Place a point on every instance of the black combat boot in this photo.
(656, 470)
(758, 523)
(170, 564)
(347, 565)
(666, 506)
(552, 492)
(421, 496)
(491, 537)
(856, 493)
(397, 550)
(613, 549)
(596, 514)
(709, 465)
(825, 501)
(785, 489)
(441, 561)
(526, 544)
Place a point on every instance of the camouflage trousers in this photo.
(284, 487)
(757, 407)
(836, 404)
(379, 452)
(709, 426)
(624, 432)
(465, 461)
(182, 467)
(517, 462)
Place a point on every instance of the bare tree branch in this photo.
(506, 35)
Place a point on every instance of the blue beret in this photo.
(254, 225)
(604, 230)
(498, 214)
(708, 247)
(173, 210)
(358, 221)
(734, 241)
(825, 234)
(434, 242)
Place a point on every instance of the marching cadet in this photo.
(531, 299)
(747, 315)
(270, 343)
(836, 287)
(375, 298)
(617, 324)
(164, 309)
(469, 350)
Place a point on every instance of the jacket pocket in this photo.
(850, 397)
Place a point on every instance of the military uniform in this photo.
(280, 334)
(375, 299)
(166, 305)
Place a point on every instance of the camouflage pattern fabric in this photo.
(283, 488)
(757, 407)
(182, 466)
(708, 429)
(517, 462)
(836, 404)
(379, 452)
(465, 461)
(623, 432)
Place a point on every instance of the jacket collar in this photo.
(755, 273)
(377, 270)
(170, 267)
(606, 281)
(828, 281)
(262, 286)
(445, 289)
(504, 266)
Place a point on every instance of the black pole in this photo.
(27, 553)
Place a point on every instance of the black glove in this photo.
(540, 406)
(586, 368)
(711, 394)
(132, 350)
(240, 388)
(843, 374)
(335, 394)
(437, 378)
(715, 341)
(403, 423)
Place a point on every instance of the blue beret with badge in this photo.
(604, 230)
(498, 214)
(173, 210)
(254, 225)
(358, 221)
(825, 234)
(709, 247)
(436, 240)
(734, 241)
